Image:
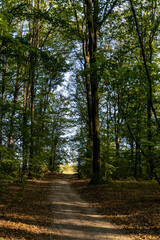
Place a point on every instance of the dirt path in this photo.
(74, 219)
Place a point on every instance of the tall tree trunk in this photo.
(96, 133)
(4, 73)
(25, 127)
(150, 155)
(107, 150)
(89, 98)
(137, 169)
(132, 153)
(32, 81)
(117, 130)
(34, 31)
(93, 25)
(17, 86)
(108, 128)
(86, 56)
(150, 107)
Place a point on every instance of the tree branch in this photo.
(139, 146)
(145, 63)
(107, 13)
(44, 41)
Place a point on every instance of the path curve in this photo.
(74, 219)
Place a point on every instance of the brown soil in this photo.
(26, 211)
(41, 210)
(75, 219)
(135, 206)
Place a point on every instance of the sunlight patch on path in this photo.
(74, 219)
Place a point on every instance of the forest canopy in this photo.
(79, 81)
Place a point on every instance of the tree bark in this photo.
(4, 73)
(93, 27)
(150, 107)
(25, 126)
(89, 98)
(17, 86)
(34, 31)
(32, 81)
(117, 130)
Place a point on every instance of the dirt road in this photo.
(74, 219)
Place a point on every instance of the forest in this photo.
(79, 82)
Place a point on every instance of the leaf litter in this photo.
(26, 213)
(133, 205)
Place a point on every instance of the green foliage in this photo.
(68, 168)
(9, 169)
(44, 121)
(108, 172)
(84, 168)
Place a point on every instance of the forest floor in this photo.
(133, 205)
(26, 210)
(32, 211)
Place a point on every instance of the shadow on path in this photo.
(74, 219)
